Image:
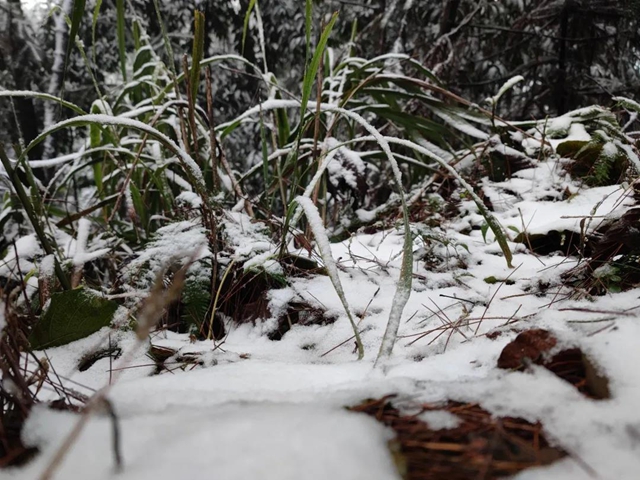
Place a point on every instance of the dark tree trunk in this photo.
(561, 87)
(449, 13)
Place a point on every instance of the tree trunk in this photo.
(561, 87)
(448, 18)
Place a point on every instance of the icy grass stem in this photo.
(322, 240)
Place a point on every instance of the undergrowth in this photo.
(148, 201)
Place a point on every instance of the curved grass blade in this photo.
(322, 240)
(42, 96)
(190, 167)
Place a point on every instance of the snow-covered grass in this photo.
(271, 407)
(274, 409)
(242, 329)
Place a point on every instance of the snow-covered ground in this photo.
(258, 408)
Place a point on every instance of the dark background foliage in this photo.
(571, 52)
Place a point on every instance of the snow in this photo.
(189, 198)
(439, 419)
(257, 408)
(263, 409)
(178, 242)
(508, 85)
(256, 440)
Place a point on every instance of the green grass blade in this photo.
(120, 28)
(77, 11)
(165, 39)
(94, 22)
(196, 56)
(138, 205)
(47, 241)
(245, 28)
(190, 167)
(312, 70)
(308, 23)
(42, 96)
(265, 152)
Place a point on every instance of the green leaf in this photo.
(76, 17)
(628, 103)
(247, 15)
(72, 315)
(312, 70)
(196, 298)
(493, 280)
(94, 22)
(484, 229)
(197, 53)
(121, 40)
(138, 204)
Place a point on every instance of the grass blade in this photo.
(94, 22)
(42, 96)
(322, 240)
(121, 40)
(245, 28)
(312, 70)
(77, 12)
(196, 56)
(308, 21)
(265, 152)
(165, 39)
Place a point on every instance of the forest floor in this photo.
(529, 371)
